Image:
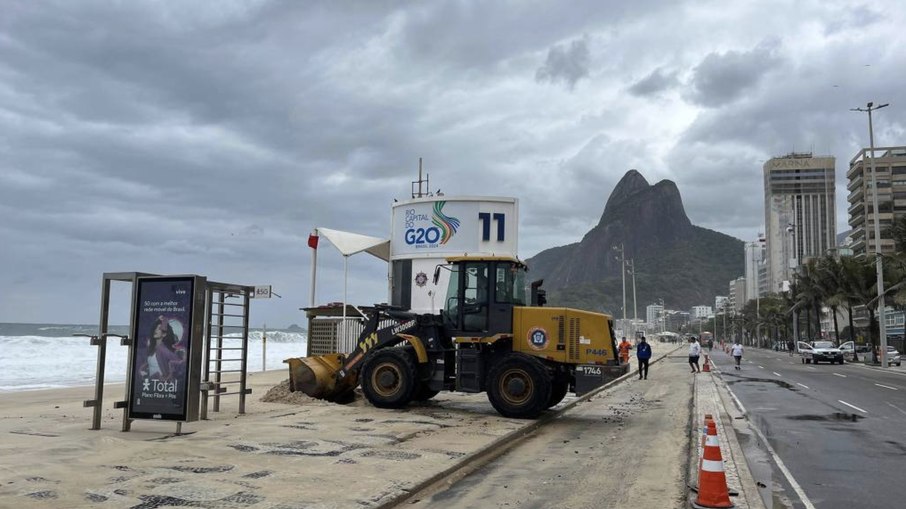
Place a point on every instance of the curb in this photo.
(471, 462)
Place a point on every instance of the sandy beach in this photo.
(277, 455)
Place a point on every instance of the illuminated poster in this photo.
(162, 352)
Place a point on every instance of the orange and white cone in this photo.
(707, 366)
(712, 482)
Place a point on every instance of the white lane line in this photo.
(806, 386)
(887, 387)
(778, 374)
(786, 472)
(852, 406)
(898, 408)
(841, 376)
(811, 368)
(762, 367)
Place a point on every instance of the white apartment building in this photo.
(737, 295)
(800, 217)
(701, 312)
(721, 303)
(653, 313)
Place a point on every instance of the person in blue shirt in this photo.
(643, 353)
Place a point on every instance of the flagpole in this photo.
(313, 243)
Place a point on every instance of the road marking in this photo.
(786, 473)
(898, 408)
(887, 387)
(806, 386)
(852, 406)
(838, 374)
(778, 374)
(811, 368)
(762, 367)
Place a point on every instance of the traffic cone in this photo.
(709, 421)
(707, 366)
(712, 482)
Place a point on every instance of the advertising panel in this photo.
(438, 227)
(165, 348)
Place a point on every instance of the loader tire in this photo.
(389, 378)
(519, 386)
(423, 392)
(559, 388)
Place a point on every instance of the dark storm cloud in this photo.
(566, 63)
(658, 81)
(211, 137)
(723, 77)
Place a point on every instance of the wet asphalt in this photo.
(839, 429)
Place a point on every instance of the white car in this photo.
(819, 351)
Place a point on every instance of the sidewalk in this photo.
(296, 453)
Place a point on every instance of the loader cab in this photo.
(481, 295)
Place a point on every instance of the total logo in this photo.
(443, 229)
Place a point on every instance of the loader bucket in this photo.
(317, 377)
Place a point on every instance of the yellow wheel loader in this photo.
(486, 338)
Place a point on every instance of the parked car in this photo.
(818, 351)
(849, 349)
(893, 356)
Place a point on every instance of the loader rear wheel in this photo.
(519, 386)
(559, 388)
(389, 379)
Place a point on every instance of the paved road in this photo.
(627, 447)
(840, 430)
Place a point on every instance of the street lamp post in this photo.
(622, 273)
(882, 318)
(635, 308)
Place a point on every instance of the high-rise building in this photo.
(653, 313)
(755, 262)
(721, 303)
(890, 166)
(799, 212)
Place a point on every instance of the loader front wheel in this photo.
(519, 386)
(389, 378)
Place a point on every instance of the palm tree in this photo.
(830, 279)
(860, 278)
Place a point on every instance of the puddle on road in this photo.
(834, 417)
(781, 383)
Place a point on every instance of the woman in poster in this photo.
(161, 354)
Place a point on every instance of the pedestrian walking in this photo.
(791, 347)
(695, 350)
(624, 348)
(736, 351)
(643, 353)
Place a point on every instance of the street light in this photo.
(623, 273)
(635, 308)
(882, 318)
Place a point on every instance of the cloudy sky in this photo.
(211, 137)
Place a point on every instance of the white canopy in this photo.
(351, 243)
(347, 244)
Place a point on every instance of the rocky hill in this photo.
(676, 261)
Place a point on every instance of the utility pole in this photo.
(882, 318)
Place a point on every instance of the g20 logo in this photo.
(420, 236)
